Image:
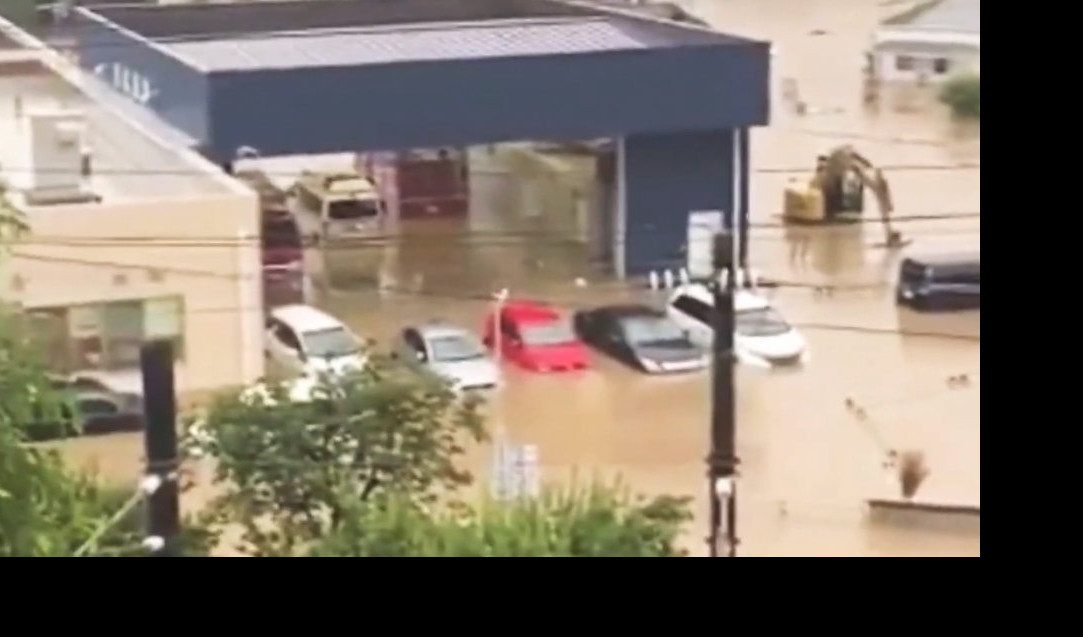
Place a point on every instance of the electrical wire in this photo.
(186, 172)
(104, 528)
(487, 296)
(380, 239)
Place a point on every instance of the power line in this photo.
(211, 241)
(186, 172)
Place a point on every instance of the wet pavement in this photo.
(808, 461)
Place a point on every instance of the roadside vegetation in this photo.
(962, 94)
(367, 467)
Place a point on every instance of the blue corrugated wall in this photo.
(666, 177)
(177, 93)
(467, 102)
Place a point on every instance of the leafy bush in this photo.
(289, 469)
(963, 95)
(595, 522)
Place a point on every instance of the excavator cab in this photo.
(844, 198)
(836, 192)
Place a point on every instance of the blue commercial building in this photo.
(346, 75)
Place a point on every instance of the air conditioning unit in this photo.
(57, 157)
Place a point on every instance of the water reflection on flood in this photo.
(807, 461)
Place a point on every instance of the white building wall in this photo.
(912, 56)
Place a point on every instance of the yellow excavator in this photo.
(836, 193)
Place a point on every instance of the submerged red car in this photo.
(536, 337)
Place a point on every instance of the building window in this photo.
(904, 63)
(107, 335)
(941, 65)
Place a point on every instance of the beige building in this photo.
(131, 238)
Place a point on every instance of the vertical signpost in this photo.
(516, 473)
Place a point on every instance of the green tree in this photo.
(962, 94)
(290, 470)
(599, 521)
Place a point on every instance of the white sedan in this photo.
(762, 337)
(303, 340)
(451, 352)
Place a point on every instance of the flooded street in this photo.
(807, 460)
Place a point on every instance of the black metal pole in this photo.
(722, 461)
(160, 409)
(742, 209)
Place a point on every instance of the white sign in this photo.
(703, 225)
(127, 81)
(515, 472)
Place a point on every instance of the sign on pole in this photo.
(703, 225)
(515, 472)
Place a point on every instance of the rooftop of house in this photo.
(220, 37)
(958, 16)
(126, 163)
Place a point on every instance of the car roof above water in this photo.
(629, 310)
(743, 300)
(305, 317)
(945, 258)
(441, 329)
(530, 311)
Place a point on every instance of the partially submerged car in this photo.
(450, 352)
(535, 337)
(641, 337)
(762, 337)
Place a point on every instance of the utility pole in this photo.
(160, 410)
(722, 461)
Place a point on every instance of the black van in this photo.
(941, 282)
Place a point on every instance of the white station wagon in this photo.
(762, 337)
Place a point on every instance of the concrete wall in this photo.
(664, 178)
(78, 254)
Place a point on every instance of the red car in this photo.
(536, 337)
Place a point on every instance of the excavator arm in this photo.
(873, 179)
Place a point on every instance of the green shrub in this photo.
(598, 521)
(963, 95)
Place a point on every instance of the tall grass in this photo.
(576, 521)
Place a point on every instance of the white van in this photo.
(338, 205)
(305, 341)
(762, 337)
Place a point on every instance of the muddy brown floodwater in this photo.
(807, 462)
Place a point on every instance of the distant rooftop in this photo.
(959, 16)
(127, 165)
(221, 37)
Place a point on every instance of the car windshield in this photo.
(455, 348)
(330, 343)
(555, 333)
(651, 330)
(353, 210)
(764, 321)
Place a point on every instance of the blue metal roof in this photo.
(413, 43)
(295, 77)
